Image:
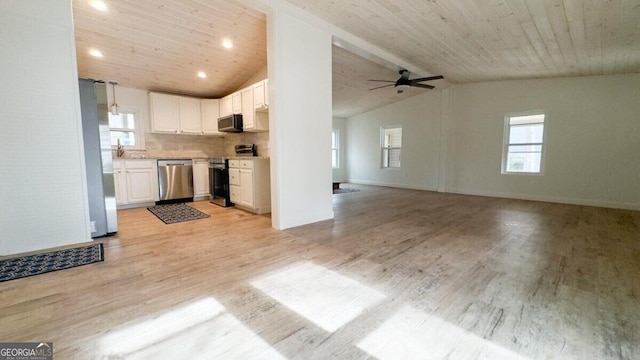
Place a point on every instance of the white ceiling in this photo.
(161, 44)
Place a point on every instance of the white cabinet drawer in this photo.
(234, 177)
(234, 192)
(139, 164)
(246, 164)
(234, 163)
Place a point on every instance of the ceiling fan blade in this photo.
(383, 86)
(423, 86)
(438, 77)
(383, 81)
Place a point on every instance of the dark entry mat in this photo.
(56, 260)
(175, 213)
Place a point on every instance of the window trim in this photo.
(337, 148)
(138, 130)
(505, 142)
(383, 148)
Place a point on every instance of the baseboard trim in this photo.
(544, 198)
(401, 186)
(552, 199)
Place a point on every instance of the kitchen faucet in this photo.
(120, 149)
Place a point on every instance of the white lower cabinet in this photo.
(250, 185)
(234, 194)
(120, 182)
(234, 182)
(246, 188)
(200, 178)
(136, 181)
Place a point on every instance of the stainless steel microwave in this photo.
(230, 123)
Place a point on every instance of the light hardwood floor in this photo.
(397, 274)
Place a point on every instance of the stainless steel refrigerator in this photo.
(98, 158)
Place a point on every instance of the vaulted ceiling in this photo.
(161, 44)
(486, 40)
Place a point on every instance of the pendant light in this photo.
(114, 106)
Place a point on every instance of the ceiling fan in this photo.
(403, 83)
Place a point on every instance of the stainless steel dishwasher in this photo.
(175, 179)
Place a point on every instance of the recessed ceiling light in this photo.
(227, 44)
(99, 5)
(202, 75)
(96, 53)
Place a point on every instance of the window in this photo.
(523, 143)
(124, 127)
(335, 139)
(391, 146)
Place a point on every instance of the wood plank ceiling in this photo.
(161, 44)
(488, 40)
(351, 90)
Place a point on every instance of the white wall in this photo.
(591, 145)
(43, 193)
(299, 120)
(131, 99)
(341, 173)
(420, 119)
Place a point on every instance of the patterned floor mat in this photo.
(43, 263)
(175, 213)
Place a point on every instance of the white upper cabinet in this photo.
(248, 112)
(266, 92)
(231, 104)
(164, 113)
(226, 106)
(190, 118)
(261, 95)
(254, 105)
(236, 102)
(210, 109)
(173, 114)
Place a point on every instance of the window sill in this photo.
(522, 173)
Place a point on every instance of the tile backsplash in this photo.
(170, 146)
(261, 139)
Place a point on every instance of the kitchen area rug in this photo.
(175, 213)
(20, 267)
